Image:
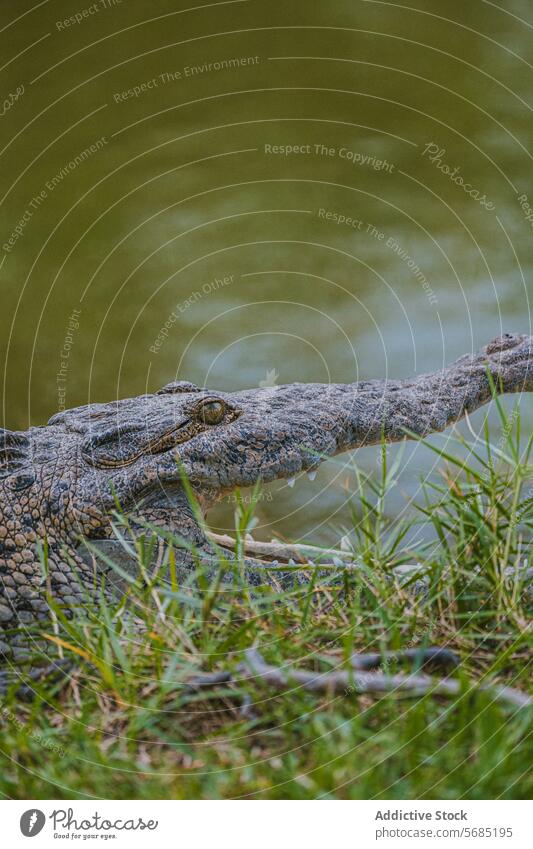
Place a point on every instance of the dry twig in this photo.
(343, 682)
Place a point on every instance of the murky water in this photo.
(251, 192)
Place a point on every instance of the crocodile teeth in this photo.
(291, 481)
(311, 475)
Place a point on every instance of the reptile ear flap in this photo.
(112, 446)
(15, 462)
(178, 386)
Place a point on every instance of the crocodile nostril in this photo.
(503, 343)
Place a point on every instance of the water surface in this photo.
(318, 191)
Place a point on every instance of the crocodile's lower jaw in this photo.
(166, 509)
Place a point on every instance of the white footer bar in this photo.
(266, 824)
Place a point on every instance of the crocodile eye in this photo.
(212, 412)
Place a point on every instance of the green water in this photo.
(260, 191)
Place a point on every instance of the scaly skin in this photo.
(59, 482)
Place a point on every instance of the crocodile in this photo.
(61, 482)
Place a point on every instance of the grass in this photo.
(124, 726)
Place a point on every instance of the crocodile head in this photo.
(136, 450)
